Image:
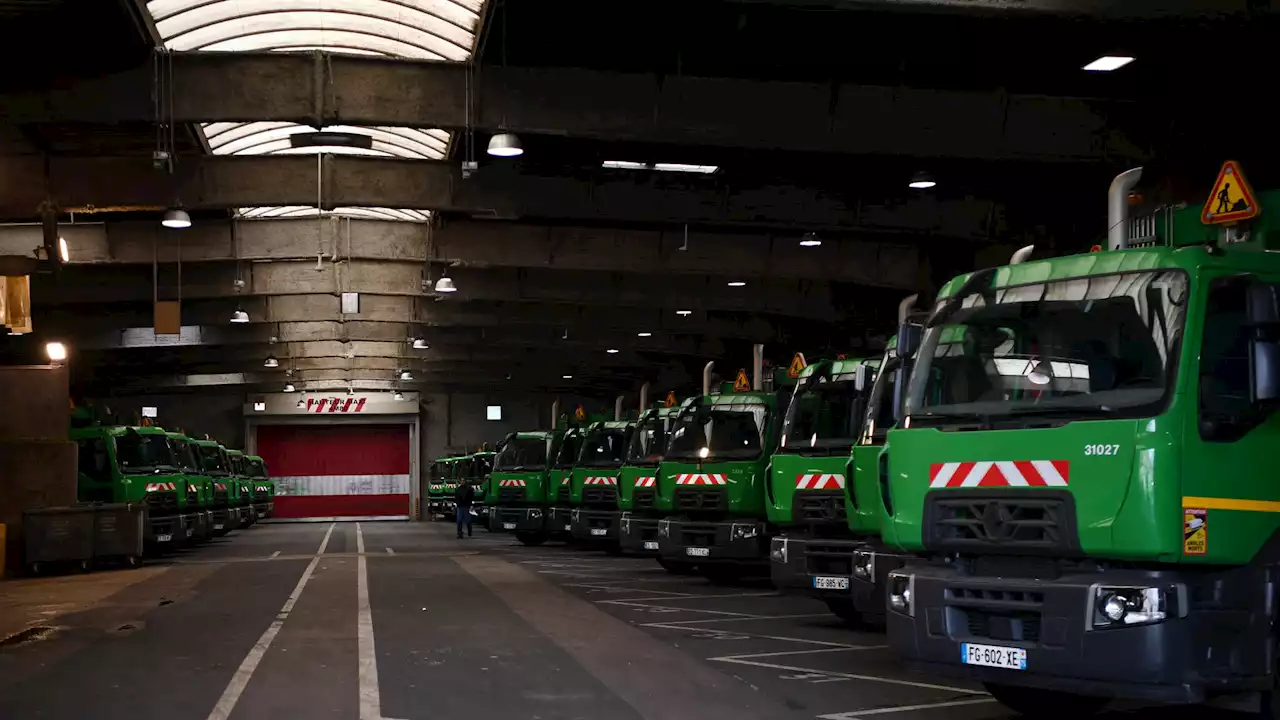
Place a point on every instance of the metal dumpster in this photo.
(118, 532)
(58, 535)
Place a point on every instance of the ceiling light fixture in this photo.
(685, 167)
(684, 313)
(63, 251)
(56, 351)
(612, 351)
(1107, 63)
(922, 181)
(302, 402)
(176, 218)
(271, 362)
(406, 375)
(624, 165)
(420, 344)
(810, 240)
(505, 145)
(239, 316)
(737, 283)
(567, 377)
(398, 396)
(288, 387)
(445, 285)
(644, 333)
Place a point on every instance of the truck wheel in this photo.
(531, 539)
(1032, 702)
(843, 609)
(677, 568)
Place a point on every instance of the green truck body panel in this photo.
(120, 485)
(646, 466)
(534, 479)
(584, 468)
(223, 481)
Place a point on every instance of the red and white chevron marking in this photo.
(511, 483)
(1000, 473)
(701, 479)
(600, 481)
(817, 481)
(219, 486)
(565, 480)
(646, 481)
(157, 487)
(335, 404)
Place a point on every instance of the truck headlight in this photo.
(1128, 605)
(664, 528)
(743, 532)
(864, 564)
(901, 589)
(625, 523)
(535, 513)
(778, 550)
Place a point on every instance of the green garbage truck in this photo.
(199, 486)
(593, 489)
(520, 485)
(714, 469)
(478, 472)
(811, 481)
(1086, 488)
(640, 506)
(228, 512)
(435, 487)
(240, 476)
(264, 488)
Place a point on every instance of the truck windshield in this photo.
(881, 413)
(1102, 346)
(138, 453)
(604, 447)
(257, 468)
(570, 447)
(724, 432)
(648, 441)
(182, 453)
(211, 460)
(823, 417)
(527, 453)
(481, 467)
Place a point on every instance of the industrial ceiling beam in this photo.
(323, 89)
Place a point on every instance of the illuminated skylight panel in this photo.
(304, 211)
(270, 138)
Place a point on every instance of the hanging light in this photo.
(398, 396)
(302, 402)
(684, 313)
(737, 283)
(445, 285)
(922, 181)
(612, 351)
(505, 145)
(644, 333)
(176, 218)
(239, 316)
(288, 387)
(420, 344)
(56, 351)
(271, 362)
(406, 375)
(810, 240)
(567, 377)
(63, 251)
(351, 389)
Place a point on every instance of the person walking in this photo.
(463, 497)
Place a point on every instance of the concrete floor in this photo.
(400, 621)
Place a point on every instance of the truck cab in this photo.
(264, 488)
(478, 473)
(811, 479)
(1085, 487)
(715, 470)
(199, 486)
(240, 476)
(124, 464)
(640, 506)
(519, 485)
(227, 510)
(594, 487)
(560, 483)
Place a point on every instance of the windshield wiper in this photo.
(1060, 410)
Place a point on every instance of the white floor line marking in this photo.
(762, 617)
(812, 651)
(758, 636)
(858, 714)
(390, 551)
(667, 608)
(240, 680)
(687, 596)
(370, 692)
(275, 554)
(598, 586)
(852, 676)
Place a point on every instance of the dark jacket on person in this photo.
(464, 495)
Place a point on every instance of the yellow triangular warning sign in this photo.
(671, 399)
(1231, 199)
(741, 384)
(580, 414)
(797, 364)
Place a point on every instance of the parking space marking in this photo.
(745, 660)
(240, 680)
(370, 691)
(761, 617)
(859, 714)
(674, 625)
(390, 551)
(275, 554)
(666, 608)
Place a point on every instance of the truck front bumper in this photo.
(840, 569)
(598, 525)
(167, 529)
(1069, 644)
(743, 542)
(638, 535)
(202, 525)
(518, 519)
(560, 520)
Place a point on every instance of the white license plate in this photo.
(163, 538)
(697, 552)
(995, 656)
(650, 545)
(508, 526)
(217, 526)
(830, 583)
(599, 531)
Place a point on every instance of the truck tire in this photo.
(843, 609)
(1032, 701)
(677, 568)
(531, 539)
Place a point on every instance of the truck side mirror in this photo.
(909, 336)
(862, 378)
(1264, 347)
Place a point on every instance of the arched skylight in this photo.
(410, 29)
(302, 211)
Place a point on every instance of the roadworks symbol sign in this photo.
(741, 384)
(1231, 199)
(797, 365)
(1195, 531)
(671, 399)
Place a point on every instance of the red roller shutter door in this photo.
(337, 470)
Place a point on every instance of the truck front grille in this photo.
(822, 559)
(162, 502)
(694, 500)
(193, 496)
(643, 499)
(510, 495)
(260, 495)
(994, 613)
(565, 494)
(819, 508)
(1036, 521)
(600, 496)
(219, 497)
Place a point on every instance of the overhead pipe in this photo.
(617, 408)
(905, 307)
(1022, 255)
(1118, 208)
(706, 377)
(644, 397)
(757, 367)
(555, 413)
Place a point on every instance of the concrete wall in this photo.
(219, 414)
(457, 421)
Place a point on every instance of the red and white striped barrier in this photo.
(1000, 473)
(820, 481)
